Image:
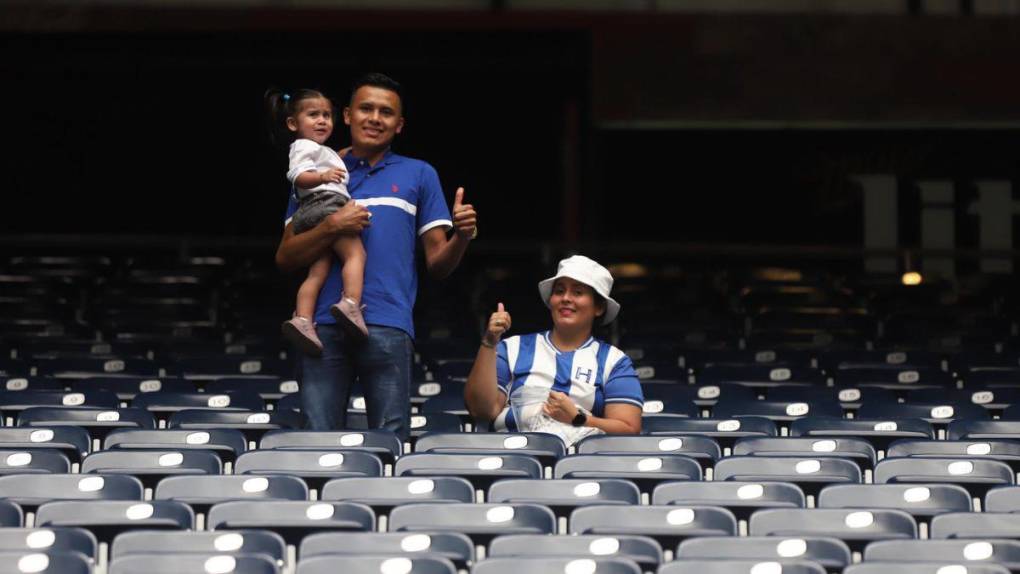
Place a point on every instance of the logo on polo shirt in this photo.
(394, 188)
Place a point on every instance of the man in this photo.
(396, 200)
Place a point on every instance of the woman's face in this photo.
(573, 305)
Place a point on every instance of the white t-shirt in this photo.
(306, 155)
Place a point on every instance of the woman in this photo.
(564, 380)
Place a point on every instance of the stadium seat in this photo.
(107, 518)
(383, 493)
(935, 413)
(252, 424)
(1000, 450)
(724, 431)
(975, 525)
(667, 524)
(965, 429)
(849, 399)
(313, 466)
(423, 423)
(644, 551)
(11, 383)
(976, 475)
(1002, 499)
(556, 565)
(480, 469)
(151, 465)
(740, 567)
(563, 495)
(1002, 552)
(241, 542)
(833, 361)
(678, 399)
(208, 563)
(227, 444)
(221, 366)
(480, 522)
(34, 461)
(777, 410)
(290, 519)
(702, 449)
(897, 380)
(201, 492)
(97, 422)
(270, 389)
(13, 402)
(44, 563)
(455, 547)
(546, 448)
(33, 490)
(830, 553)
(646, 471)
(170, 402)
(855, 527)
(59, 539)
(382, 443)
(759, 376)
(128, 387)
(922, 500)
(740, 498)
(880, 433)
(10, 513)
(72, 442)
(856, 450)
(359, 564)
(924, 568)
(79, 368)
(811, 474)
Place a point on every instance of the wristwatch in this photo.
(580, 418)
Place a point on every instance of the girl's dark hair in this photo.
(281, 105)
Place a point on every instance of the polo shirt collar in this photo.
(388, 158)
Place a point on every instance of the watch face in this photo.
(579, 419)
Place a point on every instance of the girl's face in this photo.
(314, 120)
(573, 305)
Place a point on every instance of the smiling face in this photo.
(376, 117)
(313, 121)
(574, 305)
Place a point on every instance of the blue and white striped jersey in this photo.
(595, 374)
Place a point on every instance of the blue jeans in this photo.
(382, 367)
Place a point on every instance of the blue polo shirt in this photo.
(406, 200)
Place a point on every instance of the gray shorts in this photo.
(314, 208)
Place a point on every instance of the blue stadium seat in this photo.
(855, 527)
(169, 563)
(644, 551)
(382, 443)
(644, 470)
(1000, 450)
(480, 469)
(987, 525)
(94, 367)
(384, 493)
(423, 423)
(44, 563)
(455, 547)
(171, 402)
(724, 431)
(33, 461)
(834, 361)
(893, 379)
(107, 518)
(292, 520)
(740, 567)
(920, 500)
(830, 553)
(152, 465)
(856, 450)
(33, 490)
(128, 387)
(879, 432)
(976, 475)
(940, 413)
(480, 522)
(268, 388)
(967, 429)
(97, 422)
(358, 564)
(73, 442)
(702, 449)
(740, 498)
(760, 376)
(14, 402)
(220, 367)
(809, 473)
(59, 539)
(252, 424)
(556, 565)
(201, 492)
(10, 513)
(923, 568)
(314, 466)
(667, 524)
(1002, 499)
(777, 410)
(227, 444)
(849, 398)
(241, 542)
(564, 495)
(14, 384)
(546, 448)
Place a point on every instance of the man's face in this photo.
(375, 117)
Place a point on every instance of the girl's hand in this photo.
(499, 323)
(560, 407)
(334, 175)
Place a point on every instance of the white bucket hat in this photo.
(589, 272)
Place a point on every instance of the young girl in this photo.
(319, 178)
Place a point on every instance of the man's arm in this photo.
(442, 254)
(299, 251)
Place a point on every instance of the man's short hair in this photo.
(377, 80)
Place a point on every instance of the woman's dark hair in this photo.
(281, 105)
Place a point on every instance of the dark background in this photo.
(561, 126)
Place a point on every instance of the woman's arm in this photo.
(619, 418)
(482, 396)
